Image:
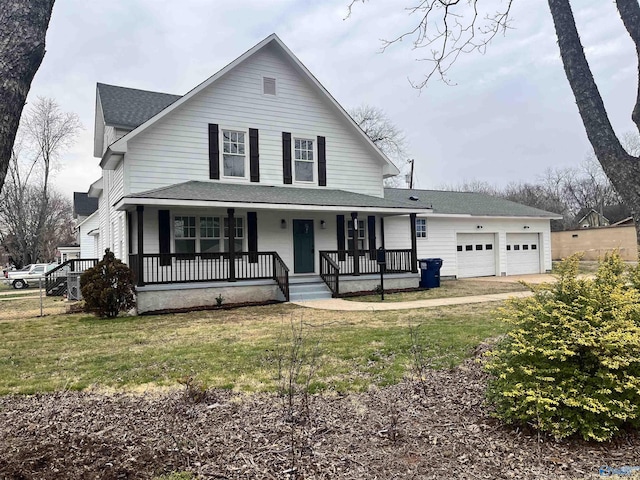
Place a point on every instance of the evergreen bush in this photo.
(108, 288)
(571, 363)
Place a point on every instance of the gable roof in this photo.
(84, 205)
(129, 107)
(254, 195)
(466, 203)
(119, 146)
(611, 213)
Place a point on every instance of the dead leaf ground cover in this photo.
(402, 432)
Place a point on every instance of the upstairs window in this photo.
(304, 160)
(234, 153)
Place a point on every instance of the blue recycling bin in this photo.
(430, 272)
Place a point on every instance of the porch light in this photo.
(323, 224)
(283, 223)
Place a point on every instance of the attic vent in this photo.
(268, 86)
(415, 199)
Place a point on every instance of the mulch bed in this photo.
(441, 431)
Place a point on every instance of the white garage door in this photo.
(476, 255)
(523, 253)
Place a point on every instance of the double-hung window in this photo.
(239, 234)
(209, 234)
(360, 235)
(304, 160)
(206, 234)
(184, 232)
(421, 228)
(234, 153)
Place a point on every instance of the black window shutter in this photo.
(214, 152)
(286, 157)
(254, 155)
(371, 232)
(322, 162)
(164, 237)
(252, 233)
(340, 235)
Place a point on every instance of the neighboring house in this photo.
(257, 183)
(84, 207)
(610, 215)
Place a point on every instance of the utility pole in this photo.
(411, 161)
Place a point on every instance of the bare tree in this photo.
(452, 27)
(31, 215)
(23, 28)
(386, 136)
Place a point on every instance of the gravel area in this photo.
(438, 429)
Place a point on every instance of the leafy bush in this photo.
(571, 363)
(108, 288)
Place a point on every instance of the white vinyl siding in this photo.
(175, 149)
(442, 238)
(88, 242)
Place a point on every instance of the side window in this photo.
(209, 234)
(421, 227)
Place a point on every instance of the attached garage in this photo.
(523, 253)
(476, 255)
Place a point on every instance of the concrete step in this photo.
(308, 288)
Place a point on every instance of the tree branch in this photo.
(630, 14)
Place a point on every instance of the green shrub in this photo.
(108, 288)
(571, 363)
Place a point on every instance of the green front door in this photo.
(303, 246)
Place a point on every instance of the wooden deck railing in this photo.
(164, 268)
(330, 273)
(56, 279)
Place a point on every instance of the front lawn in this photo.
(447, 289)
(226, 348)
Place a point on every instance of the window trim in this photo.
(364, 238)
(247, 153)
(275, 78)
(421, 232)
(314, 163)
(198, 237)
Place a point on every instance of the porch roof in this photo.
(212, 194)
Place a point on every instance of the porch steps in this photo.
(307, 287)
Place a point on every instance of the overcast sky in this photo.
(510, 116)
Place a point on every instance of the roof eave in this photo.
(126, 203)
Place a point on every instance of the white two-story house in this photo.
(257, 181)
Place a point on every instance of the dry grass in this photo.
(448, 289)
(223, 348)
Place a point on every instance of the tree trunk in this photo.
(622, 169)
(23, 28)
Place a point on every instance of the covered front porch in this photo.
(186, 246)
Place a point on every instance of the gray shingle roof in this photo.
(468, 203)
(83, 204)
(129, 107)
(232, 193)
